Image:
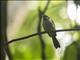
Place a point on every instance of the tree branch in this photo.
(35, 34)
(46, 7)
(39, 30)
(4, 50)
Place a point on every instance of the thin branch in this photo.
(46, 7)
(39, 30)
(76, 29)
(40, 36)
(35, 34)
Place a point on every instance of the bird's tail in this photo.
(55, 42)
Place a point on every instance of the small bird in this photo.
(49, 26)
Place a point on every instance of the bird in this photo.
(49, 27)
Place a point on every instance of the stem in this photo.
(46, 7)
(4, 50)
(35, 34)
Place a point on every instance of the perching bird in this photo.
(49, 26)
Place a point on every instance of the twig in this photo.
(46, 7)
(35, 34)
(40, 36)
(39, 30)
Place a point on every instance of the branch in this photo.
(46, 7)
(39, 30)
(40, 36)
(35, 34)
(4, 49)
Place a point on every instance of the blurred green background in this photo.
(23, 20)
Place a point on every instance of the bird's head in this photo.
(45, 17)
